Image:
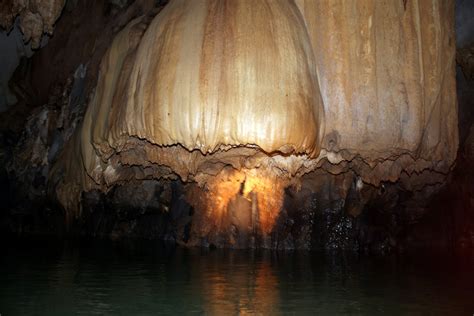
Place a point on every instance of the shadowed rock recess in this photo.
(279, 124)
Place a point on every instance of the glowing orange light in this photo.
(267, 194)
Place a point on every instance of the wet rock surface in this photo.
(329, 208)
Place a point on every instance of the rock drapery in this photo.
(271, 90)
(387, 67)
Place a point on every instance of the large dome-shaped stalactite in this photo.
(245, 97)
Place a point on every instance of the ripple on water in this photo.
(101, 279)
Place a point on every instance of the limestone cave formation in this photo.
(282, 124)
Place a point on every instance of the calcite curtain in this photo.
(281, 87)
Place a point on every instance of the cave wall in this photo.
(384, 100)
(464, 23)
(173, 99)
(24, 27)
(52, 88)
(120, 172)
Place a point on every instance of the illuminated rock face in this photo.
(387, 75)
(214, 77)
(245, 97)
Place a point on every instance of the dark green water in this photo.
(44, 278)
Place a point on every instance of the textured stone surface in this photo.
(36, 17)
(352, 170)
(224, 81)
(386, 70)
(350, 197)
(212, 84)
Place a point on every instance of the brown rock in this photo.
(273, 86)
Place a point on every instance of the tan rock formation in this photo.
(386, 70)
(272, 89)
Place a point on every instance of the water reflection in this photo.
(102, 278)
(242, 285)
